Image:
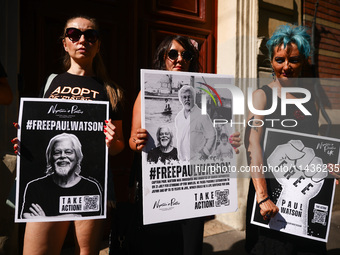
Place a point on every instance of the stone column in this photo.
(237, 55)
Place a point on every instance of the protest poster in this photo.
(62, 163)
(188, 161)
(299, 183)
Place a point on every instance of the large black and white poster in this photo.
(188, 161)
(62, 164)
(299, 183)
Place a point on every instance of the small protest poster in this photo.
(299, 183)
(188, 161)
(62, 163)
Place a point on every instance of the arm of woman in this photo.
(138, 136)
(114, 136)
(255, 159)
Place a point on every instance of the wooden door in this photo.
(193, 18)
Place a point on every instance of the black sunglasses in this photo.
(74, 34)
(186, 55)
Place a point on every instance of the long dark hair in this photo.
(187, 44)
(113, 90)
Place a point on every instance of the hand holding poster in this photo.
(60, 176)
(297, 183)
(188, 158)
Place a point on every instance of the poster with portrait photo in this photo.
(299, 183)
(63, 160)
(188, 160)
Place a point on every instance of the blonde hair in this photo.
(114, 91)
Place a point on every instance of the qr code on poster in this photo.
(91, 203)
(319, 217)
(222, 197)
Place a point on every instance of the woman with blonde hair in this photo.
(85, 70)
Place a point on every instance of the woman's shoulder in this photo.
(261, 93)
(259, 98)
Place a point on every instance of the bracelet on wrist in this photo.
(264, 200)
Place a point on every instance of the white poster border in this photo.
(325, 239)
(105, 188)
(168, 204)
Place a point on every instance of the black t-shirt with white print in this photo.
(76, 87)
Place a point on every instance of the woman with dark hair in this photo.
(175, 53)
(191, 53)
(289, 49)
(84, 69)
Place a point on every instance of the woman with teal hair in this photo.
(289, 49)
(286, 35)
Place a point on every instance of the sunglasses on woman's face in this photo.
(186, 55)
(74, 34)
